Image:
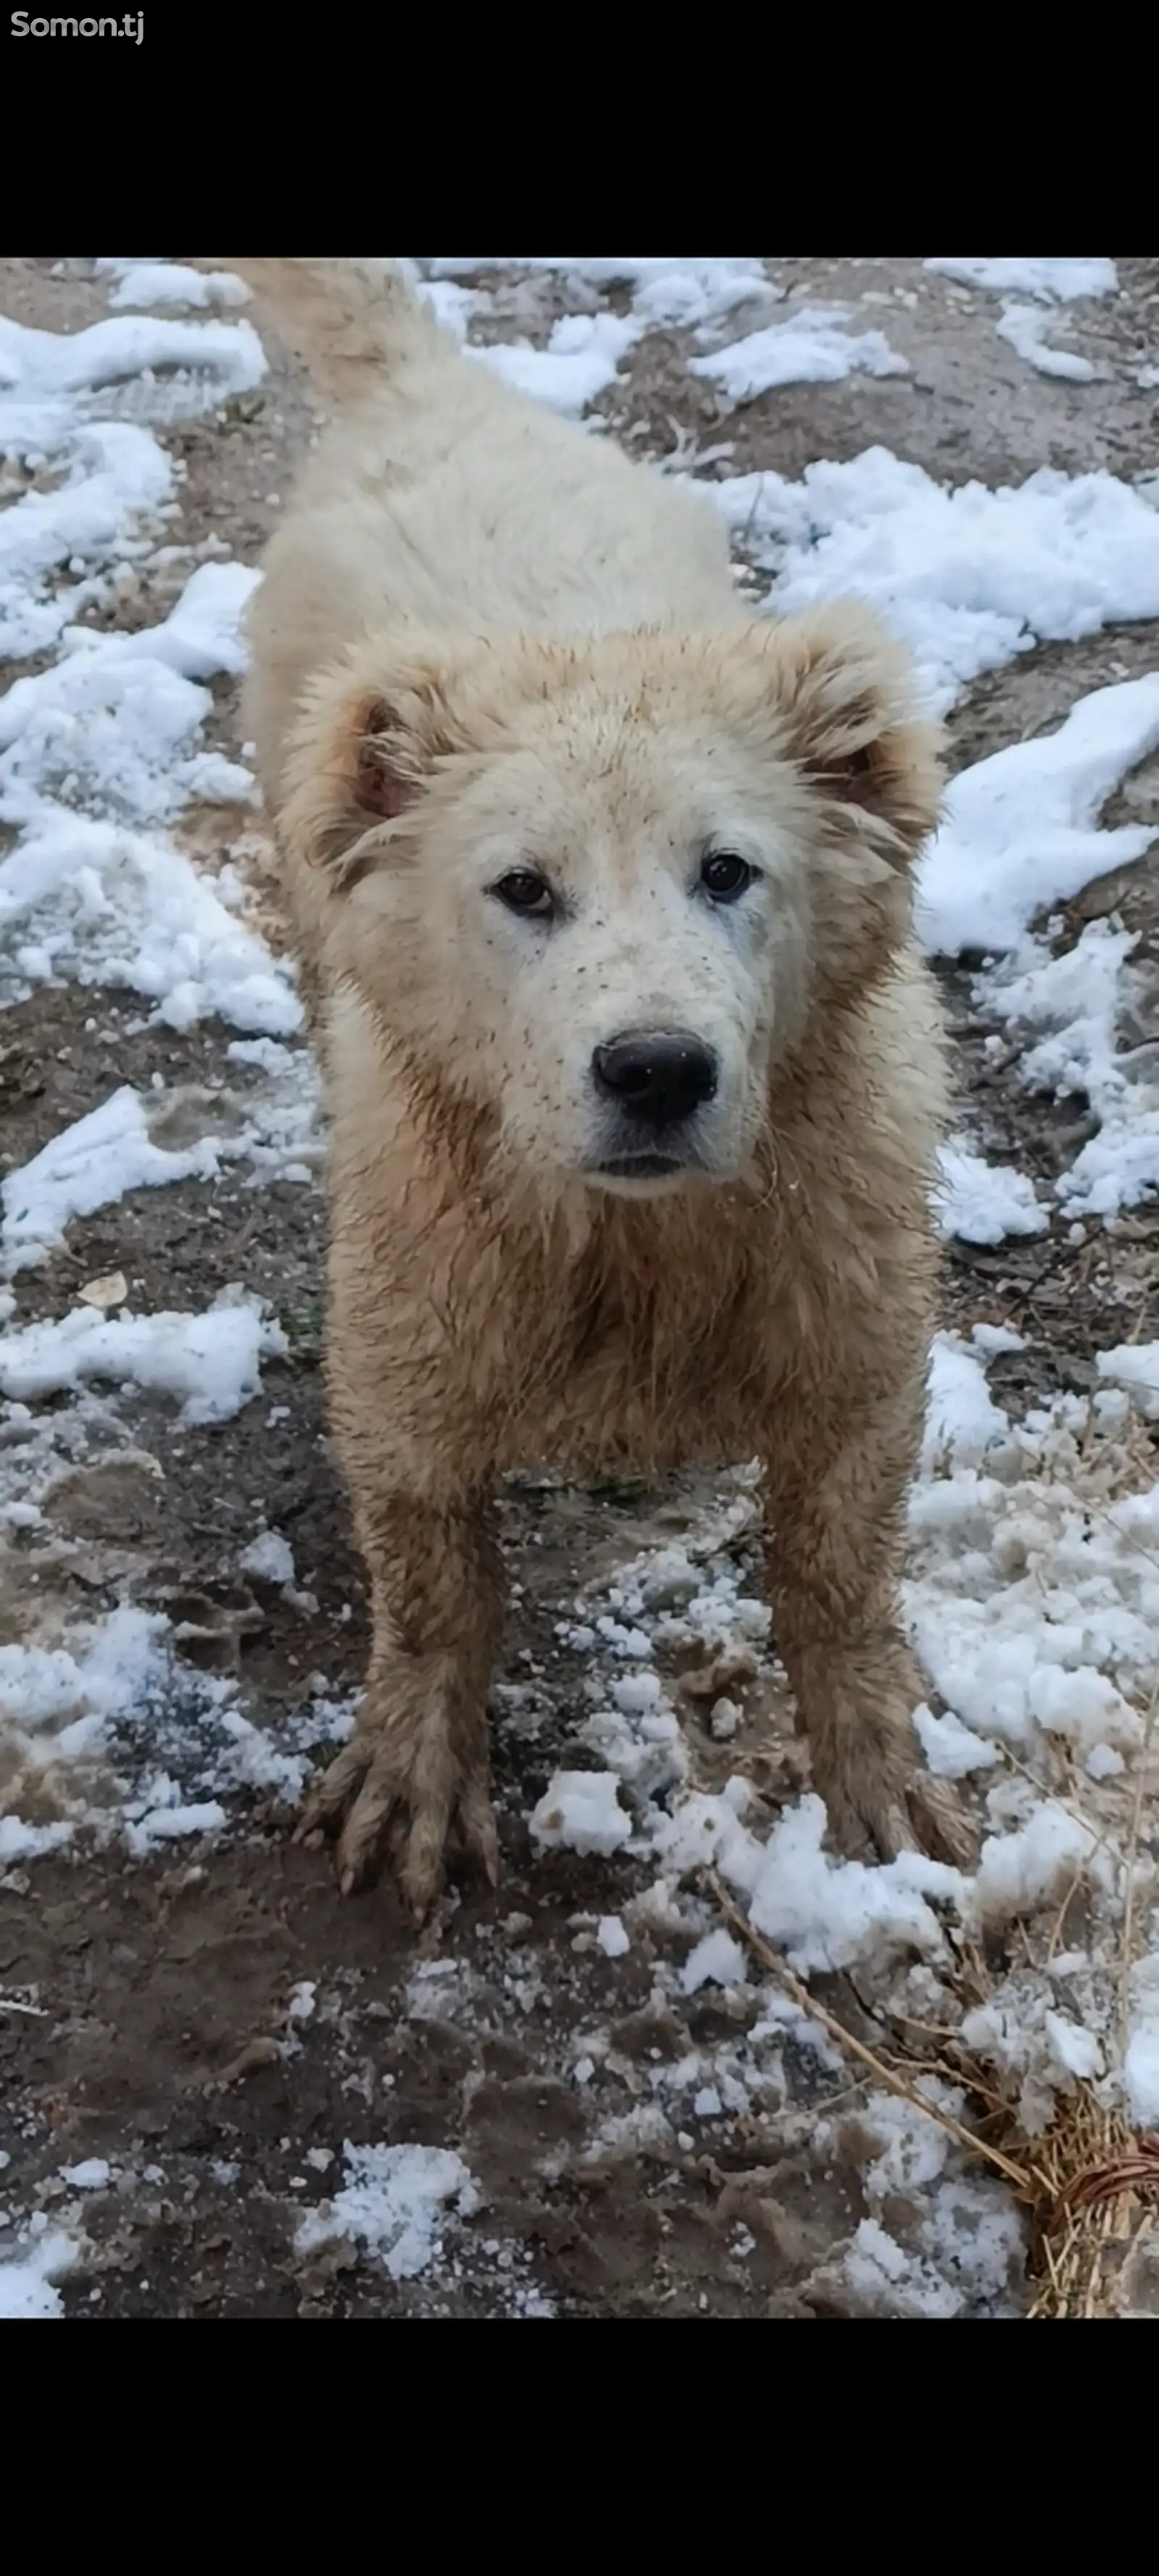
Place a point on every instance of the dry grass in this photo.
(1089, 2185)
(1098, 2199)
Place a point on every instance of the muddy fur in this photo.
(487, 647)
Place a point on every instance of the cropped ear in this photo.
(847, 693)
(361, 758)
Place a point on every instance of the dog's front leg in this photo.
(415, 1774)
(838, 1466)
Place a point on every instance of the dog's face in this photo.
(601, 892)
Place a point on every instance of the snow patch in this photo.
(270, 1557)
(1025, 327)
(106, 906)
(28, 2284)
(983, 1202)
(1021, 828)
(580, 1811)
(167, 281)
(1055, 281)
(35, 364)
(88, 1166)
(211, 1361)
(115, 478)
(91, 2175)
(813, 347)
(395, 2205)
(967, 578)
(1020, 1871)
(825, 1913)
(718, 1960)
(581, 359)
(1134, 1365)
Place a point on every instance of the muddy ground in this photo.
(164, 1986)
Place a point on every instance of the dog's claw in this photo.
(381, 1793)
(478, 1832)
(893, 1805)
(942, 1824)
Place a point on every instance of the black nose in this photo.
(655, 1075)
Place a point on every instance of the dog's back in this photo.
(446, 502)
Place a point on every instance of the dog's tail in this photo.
(347, 319)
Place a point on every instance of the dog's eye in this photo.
(524, 891)
(724, 876)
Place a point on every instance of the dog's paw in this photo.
(943, 1826)
(885, 1801)
(406, 1794)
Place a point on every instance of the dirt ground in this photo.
(164, 2038)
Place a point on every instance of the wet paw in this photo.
(406, 1795)
(881, 1798)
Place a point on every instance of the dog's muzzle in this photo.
(651, 1083)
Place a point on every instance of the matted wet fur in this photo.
(633, 1074)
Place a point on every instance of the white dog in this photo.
(633, 1074)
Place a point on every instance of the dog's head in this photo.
(601, 891)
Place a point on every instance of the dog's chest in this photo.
(655, 1371)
